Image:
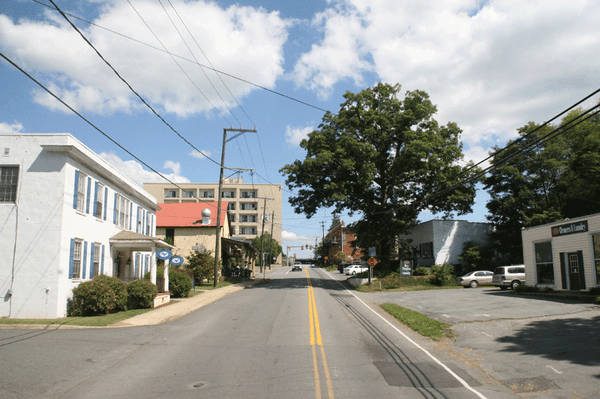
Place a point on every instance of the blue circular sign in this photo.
(176, 261)
(163, 254)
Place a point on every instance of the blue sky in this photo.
(489, 66)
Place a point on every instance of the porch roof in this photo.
(137, 242)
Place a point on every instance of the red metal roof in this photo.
(185, 214)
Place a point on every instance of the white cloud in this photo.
(294, 135)
(491, 66)
(6, 128)
(198, 154)
(136, 172)
(290, 237)
(55, 52)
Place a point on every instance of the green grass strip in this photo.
(92, 321)
(422, 324)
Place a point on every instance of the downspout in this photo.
(9, 293)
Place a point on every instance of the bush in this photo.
(442, 275)
(421, 271)
(597, 301)
(202, 265)
(92, 298)
(595, 291)
(141, 294)
(119, 287)
(180, 283)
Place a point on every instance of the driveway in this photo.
(537, 347)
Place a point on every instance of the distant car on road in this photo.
(475, 279)
(509, 276)
(297, 266)
(355, 269)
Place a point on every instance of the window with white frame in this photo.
(248, 218)
(232, 217)
(99, 203)
(81, 191)
(543, 263)
(248, 230)
(9, 176)
(77, 254)
(231, 206)
(208, 194)
(96, 257)
(171, 193)
(228, 194)
(248, 194)
(189, 193)
(123, 205)
(248, 206)
(596, 255)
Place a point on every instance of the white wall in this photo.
(43, 222)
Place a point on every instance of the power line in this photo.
(129, 86)
(175, 61)
(192, 61)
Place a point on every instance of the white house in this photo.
(66, 215)
(563, 255)
(441, 241)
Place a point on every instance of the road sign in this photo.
(176, 261)
(372, 262)
(164, 254)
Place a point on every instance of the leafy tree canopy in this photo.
(553, 180)
(384, 157)
(267, 244)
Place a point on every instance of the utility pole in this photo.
(219, 199)
(262, 260)
(271, 246)
(323, 227)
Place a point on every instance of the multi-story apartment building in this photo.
(67, 216)
(249, 204)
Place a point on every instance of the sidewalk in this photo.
(183, 306)
(172, 311)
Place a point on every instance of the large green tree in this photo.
(385, 157)
(536, 181)
(266, 244)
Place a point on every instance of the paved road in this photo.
(293, 336)
(537, 347)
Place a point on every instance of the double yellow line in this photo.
(315, 339)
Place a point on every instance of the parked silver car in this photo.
(509, 276)
(475, 279)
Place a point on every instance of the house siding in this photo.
(36, 244)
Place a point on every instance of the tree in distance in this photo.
(386, 158)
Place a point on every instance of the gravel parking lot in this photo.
(538, 347)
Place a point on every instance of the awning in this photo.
(137, 242)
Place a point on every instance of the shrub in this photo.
(202, 265)
(141, 294)
(442, 275)
(92, 298)
(595, 291)
(421, 271)
(180, 283)
(119, 287)
(597, 301)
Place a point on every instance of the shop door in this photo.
(574, 269)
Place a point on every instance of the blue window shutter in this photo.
(75, 189)
(105, 200)
(145, 227)
(71, 256)
(137, 267)
(89, 192)
(95, 198)
(130, 214)
(92, 262)
(102, 260)
(137, 220)
(115, 212)
(84, 261)
(151, 224)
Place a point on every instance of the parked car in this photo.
(475, 279)
(297, 266)
(355, 269)
(509, 276)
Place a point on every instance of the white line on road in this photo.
(487, 334)
(555, 370)
(452, 373)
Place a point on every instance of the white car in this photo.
(355, 269)
(297, 266)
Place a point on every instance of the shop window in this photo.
(596, 254)
(543, 263)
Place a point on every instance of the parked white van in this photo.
(509, 276)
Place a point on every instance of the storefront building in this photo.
(563, 255)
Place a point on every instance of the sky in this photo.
(274, 65)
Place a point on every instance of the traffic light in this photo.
(302, 248)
